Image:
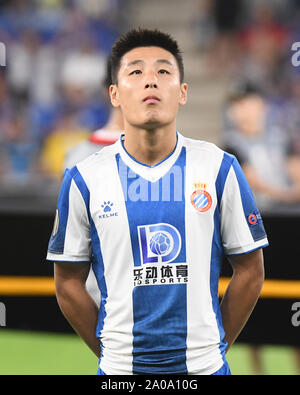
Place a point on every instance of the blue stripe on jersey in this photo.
(98, 268)
(217, 249)
(222, 175)
(159, 311)
(97, 260)
(57, 242)
(160, 329)
(81, 185)
(250, 209)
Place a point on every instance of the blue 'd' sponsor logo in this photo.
(159, 243)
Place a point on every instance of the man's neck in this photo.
(150, 146)
(115, 122)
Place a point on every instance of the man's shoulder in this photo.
(212, 149)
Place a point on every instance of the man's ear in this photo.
(183, 94)
(114, 95)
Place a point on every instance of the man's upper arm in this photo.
(67, 274)
(253, 263)
(242, 229)
(70, 239)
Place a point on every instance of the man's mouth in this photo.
(151, 99)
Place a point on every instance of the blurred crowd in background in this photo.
(251, 42)
(51, 94)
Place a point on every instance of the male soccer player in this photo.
(154, 213)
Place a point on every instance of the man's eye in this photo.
(135, 72)
(162, 71)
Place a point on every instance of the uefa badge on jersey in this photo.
(254, 218)
(255, 224)
(200, 198)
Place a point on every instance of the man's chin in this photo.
(153, 123)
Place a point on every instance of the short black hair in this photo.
(144, 38)
(107, 81)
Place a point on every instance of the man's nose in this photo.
(151, 85)
(151, 81)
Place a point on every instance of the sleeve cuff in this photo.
(248, 248)
(67, 258)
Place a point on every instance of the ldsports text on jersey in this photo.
(156, 236)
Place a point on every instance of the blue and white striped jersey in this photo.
(156, 237)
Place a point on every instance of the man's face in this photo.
(148, 88)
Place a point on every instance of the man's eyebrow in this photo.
(134, 62)
(165, 61)
(139, 61)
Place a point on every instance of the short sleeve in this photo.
(242, 228)
(70, 238)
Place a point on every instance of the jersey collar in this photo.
(150, 173)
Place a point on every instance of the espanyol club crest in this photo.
(200, 198)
